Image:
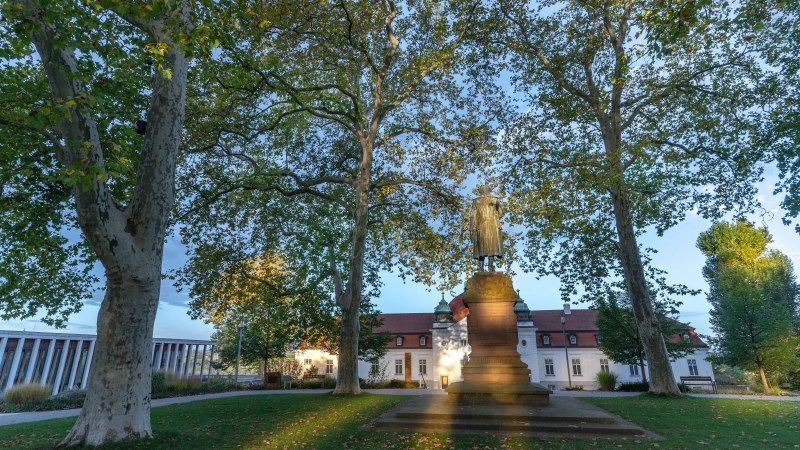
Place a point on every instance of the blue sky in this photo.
(677, 254)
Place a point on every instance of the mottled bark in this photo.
(350, 299)
(662, 380)
(127, 239)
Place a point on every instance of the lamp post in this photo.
(239, 348)
(564, 315)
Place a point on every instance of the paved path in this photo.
(24, 417)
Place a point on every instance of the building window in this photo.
(549, 367)
(463, 342)
(306, 362)
(399, 341)
(604, 366)
(329, 366)
(398, 366)
(693, 367)
(573, 340)
(423, 341)
(546, 339)
(423, 367)
(576, 366)
(634, 370)
(464, 360)
(375, 369)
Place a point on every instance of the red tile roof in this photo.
(407, 323)
(458, 308)
(579, 320)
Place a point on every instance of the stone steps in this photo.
(535, 426)
(564, 417)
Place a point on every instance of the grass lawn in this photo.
(324, 421)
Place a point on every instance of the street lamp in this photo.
(564, 315)
(239, 348)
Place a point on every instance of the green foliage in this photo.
(754, 298)
(27, 393)
(607, 380)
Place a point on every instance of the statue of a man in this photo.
(485, 225)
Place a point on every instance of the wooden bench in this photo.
(700, 381)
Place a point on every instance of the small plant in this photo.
(607, 380)
(27, 393)
(574, 388)
(639, 386)
(158, 381)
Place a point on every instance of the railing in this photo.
(62, 360)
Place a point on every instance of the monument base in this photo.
(471, 393)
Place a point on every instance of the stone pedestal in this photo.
(495, 372)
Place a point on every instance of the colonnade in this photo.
(62, 360)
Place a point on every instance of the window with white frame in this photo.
(398, 366)
(423, 367)
(546, 339)
(463, 342)
(549, 367)
(573, 340)
(307, 362)
(576, 366)
(423, 341)
(329, 366)
(693, 367)
(604, 367)
(634, 370)
(375, 368)
(399, 341)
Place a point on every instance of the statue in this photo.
(485, 226)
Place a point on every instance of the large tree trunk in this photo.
(117, 404)
(127, 239)
(644, 374)
(662, 380)
(350, 300)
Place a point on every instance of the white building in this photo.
(432, 348)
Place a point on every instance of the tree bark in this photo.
(350, 300)
(127, 239)
(662, 380)
(117, 403)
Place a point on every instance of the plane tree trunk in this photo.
(127, 239)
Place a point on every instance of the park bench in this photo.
(700, 381)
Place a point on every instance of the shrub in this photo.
(574, 388)
(27, 393)
(607, 380)
(684, 388)
(402, 384)
(158, 382)
(640, 386)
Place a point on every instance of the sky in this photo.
(677, 255)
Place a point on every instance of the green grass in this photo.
(324, 421)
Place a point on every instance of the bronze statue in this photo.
(485, 224)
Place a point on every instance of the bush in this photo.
(27, 393)
(684, 388)
(607, 380)
(640, 386)
(574, 388)
(158, 382)
(402, 384)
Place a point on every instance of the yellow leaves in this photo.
(264, 24)
(158, 49)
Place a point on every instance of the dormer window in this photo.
(399, 341)
(423, 341)
(546, 339)
(573, 340)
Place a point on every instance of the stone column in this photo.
(60, 367)
(33, 360)
(88, 364)
(495, 372)
(15, 363)
(48, 360)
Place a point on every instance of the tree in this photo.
(619, 337)
(619, 137)
(93, 57)
(354, 143)
(754, 298)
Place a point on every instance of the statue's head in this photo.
(485, 189)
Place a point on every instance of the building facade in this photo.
(432, 348)
(62, 360)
